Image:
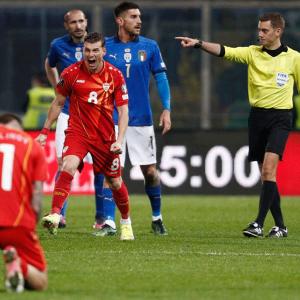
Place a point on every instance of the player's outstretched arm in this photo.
(53, 114)
(122, 126)
(186, 41)
(212, 48)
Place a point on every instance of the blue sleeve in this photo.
(157, 64)
(52, 56)
(163, 88)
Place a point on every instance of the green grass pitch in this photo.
(204, 256)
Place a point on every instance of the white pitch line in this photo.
(248, 254)
(181, 252)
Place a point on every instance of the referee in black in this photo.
(273, 69)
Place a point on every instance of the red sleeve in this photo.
(39, 164)
(63, 87)
(120, 93)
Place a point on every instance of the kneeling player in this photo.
(23, 168)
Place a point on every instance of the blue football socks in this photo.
(64, 208)
(108, 204)
(98, 184)
(154, 194)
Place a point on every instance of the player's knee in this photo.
(268, 173)
(69, 168)
(151, 176)
(114, 183)
(70, 165)
(43, 284)
(39, 282)
(59, 163)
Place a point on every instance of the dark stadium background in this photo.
(209, 96)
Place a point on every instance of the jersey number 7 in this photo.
(127, 70)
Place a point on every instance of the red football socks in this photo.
(122, 200)
(61, 191)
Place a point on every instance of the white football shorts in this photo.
(140, 143)
(61, 126)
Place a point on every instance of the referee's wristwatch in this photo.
(198, 44)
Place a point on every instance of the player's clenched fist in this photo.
(116, 148)
(42, 137)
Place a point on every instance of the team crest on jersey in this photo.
(282, 79)
(127, 56)
(142, 55)
(106, 86)
(78, 54)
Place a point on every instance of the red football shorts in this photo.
(26, 243)
(104, 161)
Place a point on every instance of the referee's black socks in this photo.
(276, 210)
(267, 197)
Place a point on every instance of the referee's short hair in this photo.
(276, 19)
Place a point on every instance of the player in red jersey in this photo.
(94, 87)
(23, 169)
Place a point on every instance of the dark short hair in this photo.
(8, 117)
(123, 7)
(277, 20)
(95, 37)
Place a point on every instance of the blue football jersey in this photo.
(136, 60)
(62, 53)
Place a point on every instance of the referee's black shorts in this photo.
(268, 130)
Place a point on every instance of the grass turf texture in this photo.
(204, 256)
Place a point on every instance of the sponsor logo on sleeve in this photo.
(65, 54)
(114, 56)
(124, 88)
